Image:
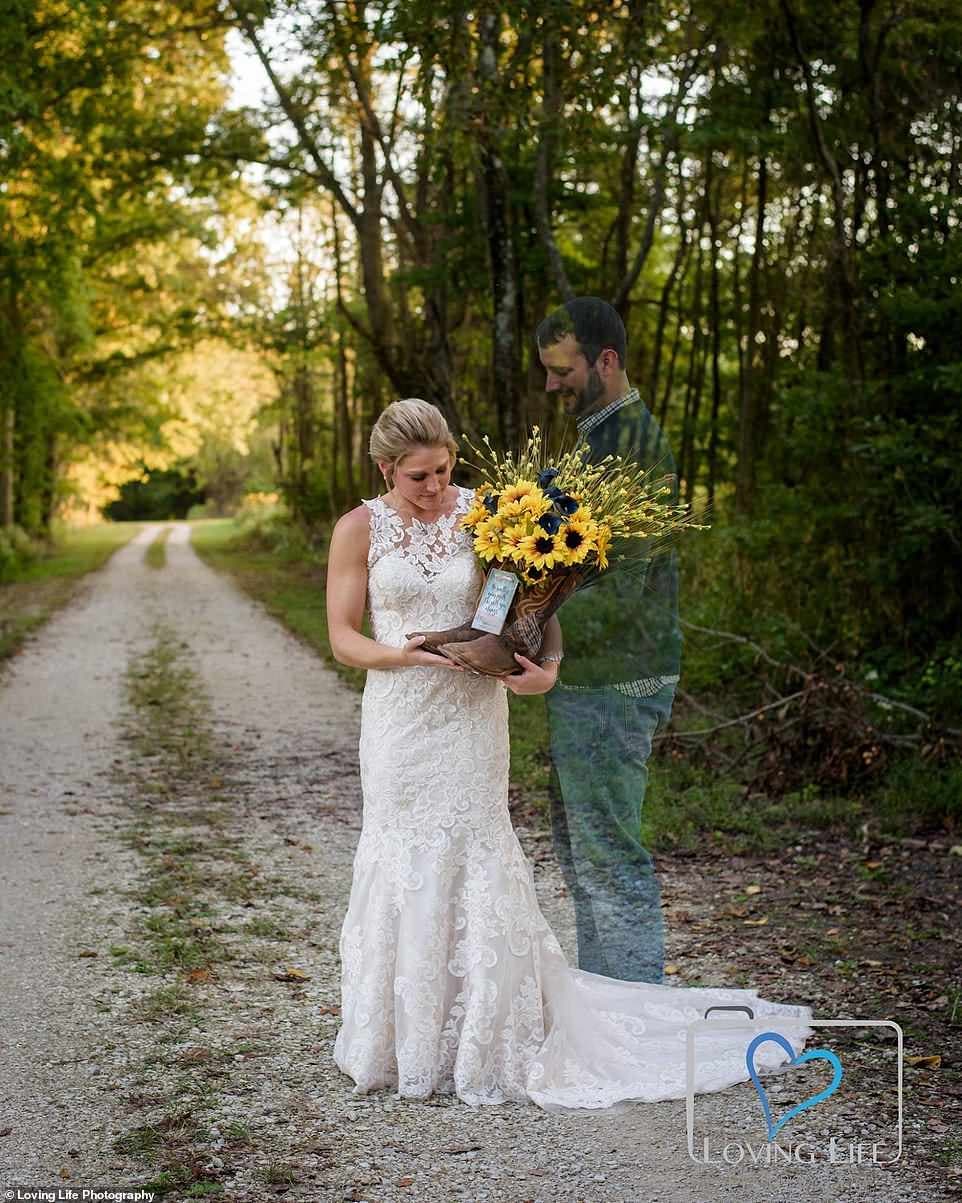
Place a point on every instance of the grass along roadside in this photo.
(205, 915)
(156, 554)
(46, 584)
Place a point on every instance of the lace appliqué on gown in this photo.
(451, 979)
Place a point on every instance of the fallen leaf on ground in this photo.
(933, 1062)
(292, 975)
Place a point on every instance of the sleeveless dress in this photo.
(452, 982)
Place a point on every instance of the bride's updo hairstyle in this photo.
(405, 425)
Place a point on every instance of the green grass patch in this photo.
(267, 928)
(530, 762)
(165, 1001)
(156, 554)
(40, 587)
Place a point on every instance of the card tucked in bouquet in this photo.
(495, 602)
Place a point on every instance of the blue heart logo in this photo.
(814, 1054)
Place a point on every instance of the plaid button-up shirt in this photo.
(623, 630)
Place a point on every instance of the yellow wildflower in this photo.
(520, 488)
(487, 539)
(477, 513)
(512, 539)
(532, 505)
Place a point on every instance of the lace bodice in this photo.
(421, 575)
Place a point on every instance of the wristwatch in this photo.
(556, 657)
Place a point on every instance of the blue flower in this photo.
(550, 522)
(553, 492)
(491, 503)
(566, 504)
(546, 476)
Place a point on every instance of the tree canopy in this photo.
(768, 193)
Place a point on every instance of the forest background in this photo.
(231, 233)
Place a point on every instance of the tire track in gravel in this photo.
(61, 701)
(285, 731)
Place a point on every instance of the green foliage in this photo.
(159, 496)
(104, 214)
(17, 549)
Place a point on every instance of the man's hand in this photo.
(536, 678)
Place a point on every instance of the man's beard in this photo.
(585, 398)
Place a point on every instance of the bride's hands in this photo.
(536, 678)
(412, 654)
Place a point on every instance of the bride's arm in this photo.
(347, 596)
(538, 676)
(553, 644)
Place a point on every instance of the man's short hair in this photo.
(595, 324)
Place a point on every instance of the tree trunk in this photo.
(686, 459)
(344, 435)
(716, 333)
(505, 360)
(751, 382)
(8, 419)
(551, 111)
(681, 255)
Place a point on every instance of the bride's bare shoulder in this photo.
(356, 517)
(354, 526)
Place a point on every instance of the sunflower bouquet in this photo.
(544, 527)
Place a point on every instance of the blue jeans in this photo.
(600, 745)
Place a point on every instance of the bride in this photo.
(452, 982)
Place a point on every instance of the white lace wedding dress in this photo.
(452, 980)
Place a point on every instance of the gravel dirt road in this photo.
(227, 1078)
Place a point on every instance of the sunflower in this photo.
(477, 513)
(487, 539)
(531, 505)
(520, 488)
(534, 503)
(541, 550)
(512, 539)
(575, 540)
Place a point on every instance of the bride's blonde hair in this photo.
(405, 425)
